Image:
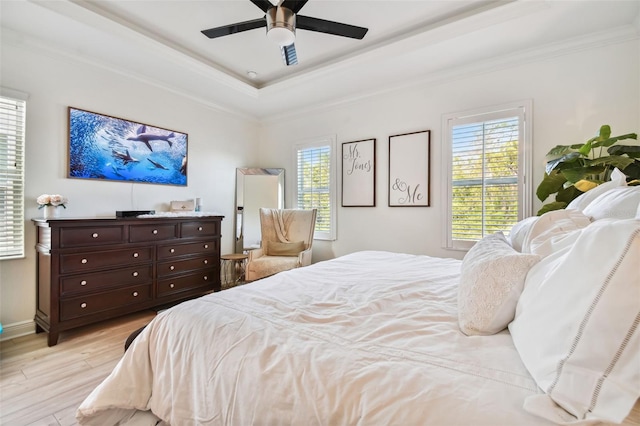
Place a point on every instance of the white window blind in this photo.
(12, 132)
(487, 169)
(315, 184)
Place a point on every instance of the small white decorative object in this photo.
(183, 206)
(50, 212)
(50, 204)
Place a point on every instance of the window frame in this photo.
(319, 142)
(523, 110)
(17, 249)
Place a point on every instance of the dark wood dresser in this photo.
(91, 270)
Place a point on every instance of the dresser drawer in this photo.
(88, 305)
(91, 236)
(143, 233)
(199, 229)
(90, 261)
(185, 265)
(89, 282)
(174, 250)
(187, 282)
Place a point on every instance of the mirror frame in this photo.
(240, 201)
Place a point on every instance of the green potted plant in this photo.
(573, 170)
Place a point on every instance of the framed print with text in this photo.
(409, 169)
(359, 173)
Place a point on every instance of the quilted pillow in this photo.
(492, 277)
(275, 248)
(577, 326)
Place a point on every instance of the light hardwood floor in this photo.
(40, 385)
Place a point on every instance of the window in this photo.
(487, 168)
(12, 128)
(315, 189)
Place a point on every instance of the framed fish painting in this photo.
(110, 148)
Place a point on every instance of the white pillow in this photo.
(576, 325)
(520, 230)
(547, 232)
(617, 179)
(490, 284)
(617, 203)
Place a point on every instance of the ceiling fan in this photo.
(282, 21)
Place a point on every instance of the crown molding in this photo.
(38, 46)
(490, 14)
(556, 49)
(90, 14)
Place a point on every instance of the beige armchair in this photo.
(287, 237)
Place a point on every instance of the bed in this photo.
(378, 338)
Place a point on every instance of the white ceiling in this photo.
(160, 42)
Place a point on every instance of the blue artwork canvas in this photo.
(110, 148)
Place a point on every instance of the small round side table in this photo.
(232, 268)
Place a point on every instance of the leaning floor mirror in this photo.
(255, 188)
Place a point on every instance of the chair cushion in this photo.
(269, 265)
(275, 248)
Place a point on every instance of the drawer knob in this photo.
(135, 274)
(206, 278)
(84, 261)
(199, 228)
(172, 250)
(205, 261)
(172, 267)
(206, 246)
(94, 235)
(83, 282)
(83, 305)
(155, 231)
(135, 294)
(172, 285)
(135, 255)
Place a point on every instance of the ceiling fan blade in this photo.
(263, 4)
(289, 54)
(294, 5)
(235, 28)
(330, 27)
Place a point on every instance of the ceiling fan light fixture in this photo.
(281, 26)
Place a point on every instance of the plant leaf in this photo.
(633, 170)
(560, 150)
(613, 160)
(567, 158)
(576, 174)
(568, 194)
(585, 149)
(551, 184)
(584, 185)
(605, 132)
(556, 205)
(631, 150)
(611, 141)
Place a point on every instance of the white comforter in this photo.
(370, 338)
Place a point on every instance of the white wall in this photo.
(218, 143)
(572, 96)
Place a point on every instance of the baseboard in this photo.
(17, 329)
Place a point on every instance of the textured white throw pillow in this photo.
(491, 281)
(577, 325)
